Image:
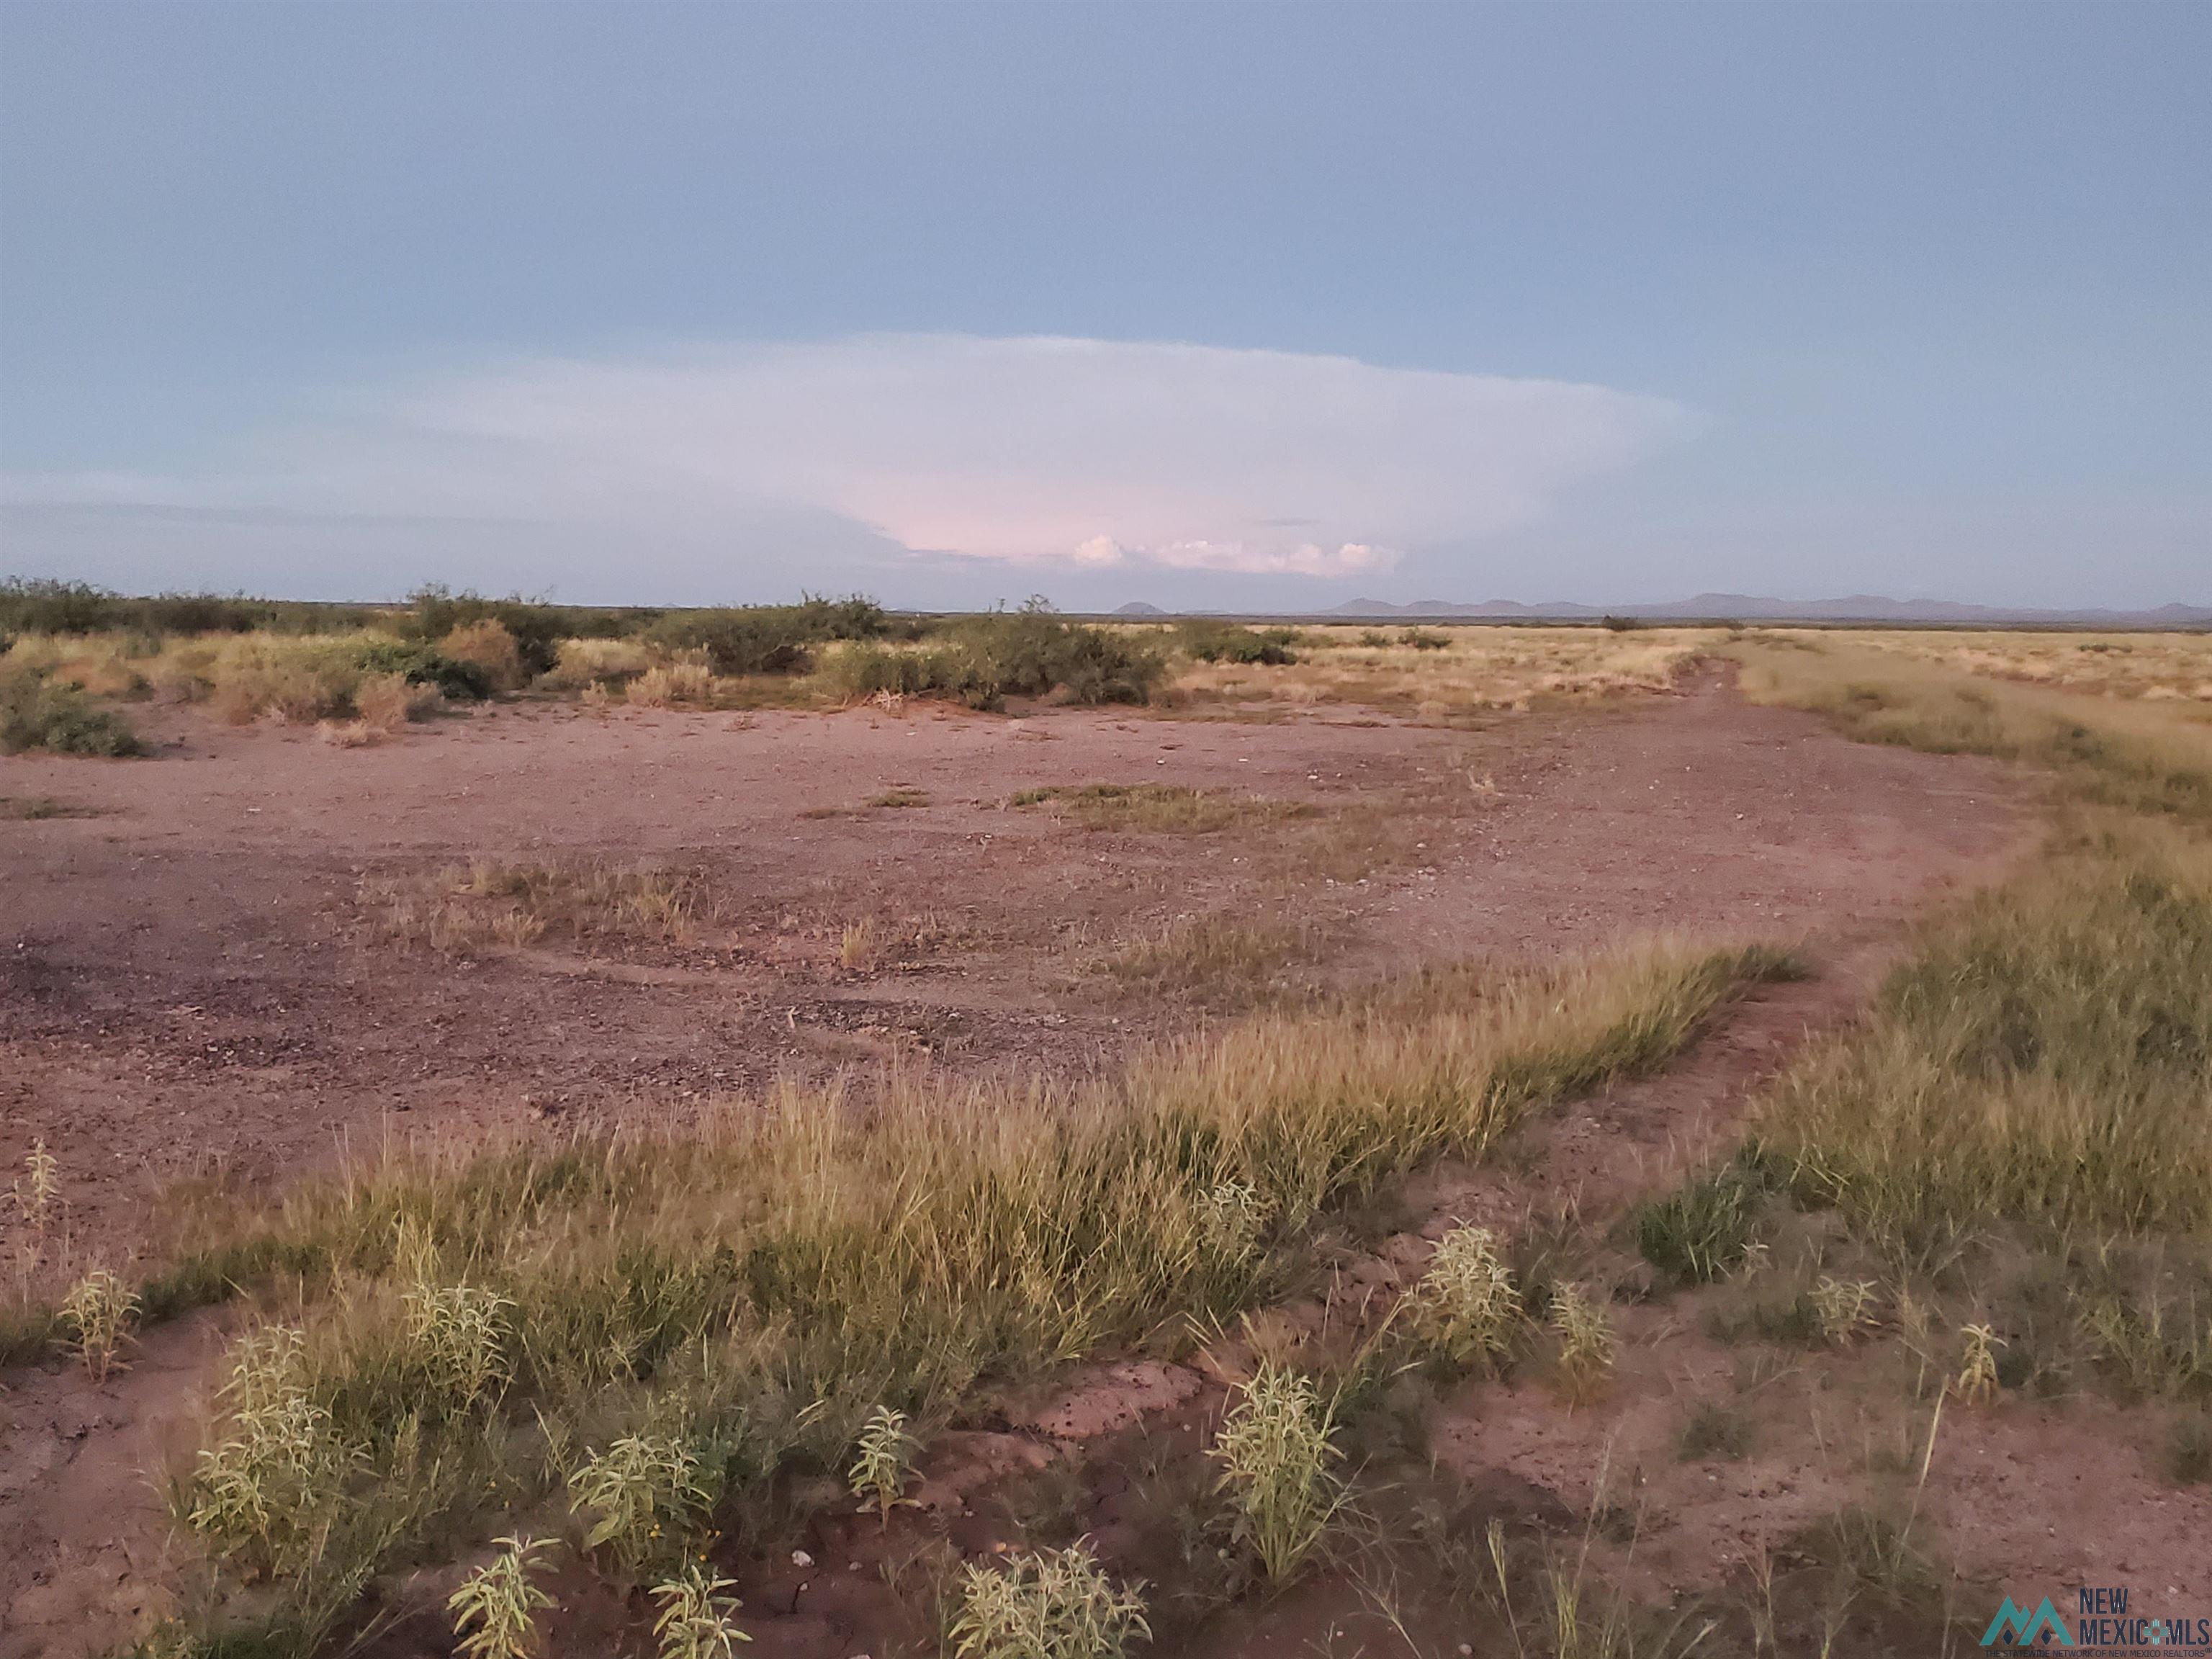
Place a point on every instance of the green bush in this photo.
(768, 639)
(422, 665)
(1220, 641)
(44, 605)
(983, 660)
(59, 718)
(537, 628)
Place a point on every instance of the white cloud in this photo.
(1032, 452)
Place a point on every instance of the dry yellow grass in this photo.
(2157, 667)
(491, 647)
(463, 908)
(672, 684)
(2148, 753)
(386, 703)
(584, 663)
(758, 1288)
(1473, 669)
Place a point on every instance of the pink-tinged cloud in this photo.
(1043, 451)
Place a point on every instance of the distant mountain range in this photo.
(1745, 607)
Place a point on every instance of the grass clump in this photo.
(1161, 809)
(2044, 1057)
(1275, 1452)
(1702, 1231)
(1714, 1433)
(1216, 958)
(99, 1311)
(35, 809)
(1586, 1339)
(1055, 1604)
(1841, 1307)
(489, 902)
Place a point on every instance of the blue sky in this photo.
(1262, 305)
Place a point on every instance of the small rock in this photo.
(801, 1559)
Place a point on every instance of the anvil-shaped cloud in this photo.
(1040, 451)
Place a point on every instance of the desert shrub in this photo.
(36, 714)
(48, 606)
(298, 679)
(462, 682)
(859, 672)
(488, 645)
(983, 660)
(199, 613)
(584, 662)
(768, 638)
(43, 606)
(1219, 641)
(1423, 639)
(536, 630)
(672, 684)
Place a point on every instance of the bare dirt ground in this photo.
(189, 982)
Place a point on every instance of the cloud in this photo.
(1029, 452)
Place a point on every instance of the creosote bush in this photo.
(983, 660)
